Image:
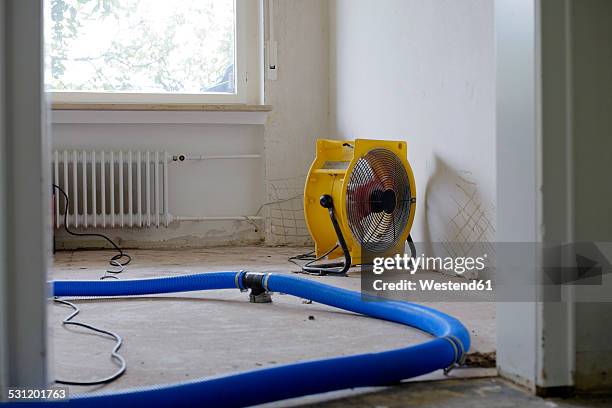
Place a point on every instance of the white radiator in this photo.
(112, 189)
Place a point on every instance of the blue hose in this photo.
(291, 380)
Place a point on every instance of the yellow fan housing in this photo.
(373, 192)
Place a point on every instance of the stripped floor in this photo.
(170, 338)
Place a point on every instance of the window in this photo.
(145, 51)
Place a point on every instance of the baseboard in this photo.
(178, 235)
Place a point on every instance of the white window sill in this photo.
(159, 113)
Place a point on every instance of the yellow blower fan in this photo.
(359, 203)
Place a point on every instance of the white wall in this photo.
(197, 188)
(423, 71)
(300, 116)
(518, 192)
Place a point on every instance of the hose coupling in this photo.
(460, 353)
(257, 282)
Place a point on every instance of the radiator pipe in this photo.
(221, 218)
(183, 157)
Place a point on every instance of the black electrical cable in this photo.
(331, 268)
(114, 355)
(308, 256)
(311, 258)
(115, 260)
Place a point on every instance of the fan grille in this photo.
(378, 200)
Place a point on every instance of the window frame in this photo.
(243, 19)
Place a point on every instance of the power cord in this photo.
(115, 260)
(308, 256)
(114, 355)
(311, 259)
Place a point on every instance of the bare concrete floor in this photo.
(178, 337)
(458, 393)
